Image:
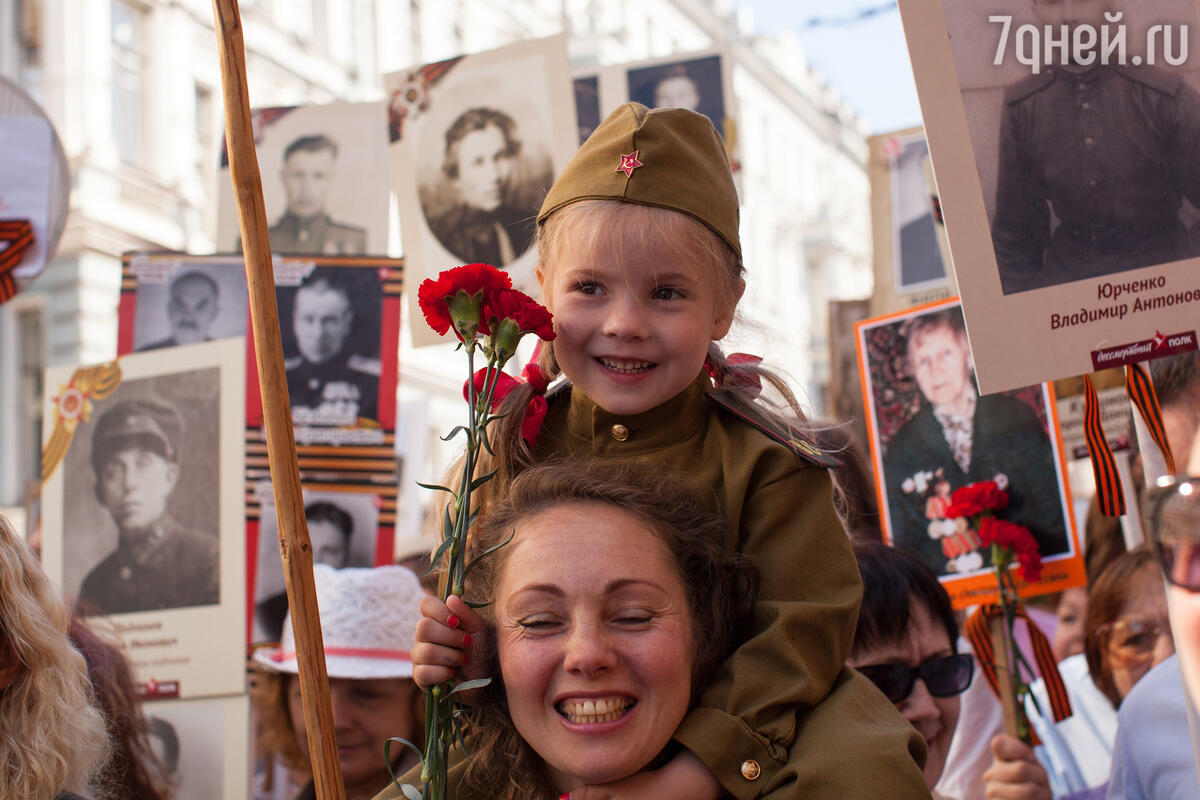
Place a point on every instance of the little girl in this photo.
(640, 263)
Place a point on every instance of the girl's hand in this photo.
(1015, 774)
(684, 777)
(449, 641)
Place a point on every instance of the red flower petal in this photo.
(470, 278)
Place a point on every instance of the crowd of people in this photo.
(678, 610)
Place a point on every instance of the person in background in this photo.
(191, 310)
(906, 643)
(368, 623)
(309, 167)
(1071, 612)
(1126, 633)
(133, 771)
(53, 740)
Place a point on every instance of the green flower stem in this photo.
(1001, 559)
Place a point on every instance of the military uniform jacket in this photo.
(176, 567)
(307, 381)
(474, 236)
(319, 235)
(1112, 151)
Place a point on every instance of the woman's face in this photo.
(1141, 636)
(1071, 611)
(365, 713)
(934, 717)
(595, 641)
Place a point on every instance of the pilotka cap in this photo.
(666, 157)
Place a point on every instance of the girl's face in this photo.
(595, 642)
(634, 322)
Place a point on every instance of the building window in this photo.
(128, 28)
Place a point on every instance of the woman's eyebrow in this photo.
(625, 583)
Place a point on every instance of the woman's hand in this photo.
(449, 641)
(1015, 773)
(684, 777)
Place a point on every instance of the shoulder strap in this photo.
(793, 440)
(1028, 86)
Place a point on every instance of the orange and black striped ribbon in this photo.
(1141, 391)
(978, 632)
(1108, 483)
(19, 235)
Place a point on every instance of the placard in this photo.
(204, 745)
(143, 510)
(1066, 159)
(476, 142)
(931, 433)
(323, 188)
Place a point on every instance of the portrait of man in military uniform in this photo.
(159, 562)
(1095, 162)
(192, 307)
(308, 172)
(338, 540)
(480, 164)
(329, 383)
(945, 435)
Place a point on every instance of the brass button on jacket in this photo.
(620, 432)
(750, 769)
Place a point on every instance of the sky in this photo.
(866, 61)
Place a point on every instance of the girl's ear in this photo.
(724, 318)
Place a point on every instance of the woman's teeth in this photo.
(594, 711)
(625, 366)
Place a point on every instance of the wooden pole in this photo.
(1002, 653)
(294, 546)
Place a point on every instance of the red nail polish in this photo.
(566, 796)
(466, 640)
(452, 621)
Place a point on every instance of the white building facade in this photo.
(134, 90)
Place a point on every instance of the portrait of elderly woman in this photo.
(611, 609)
(935, 433)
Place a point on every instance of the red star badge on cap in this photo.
(629, 163)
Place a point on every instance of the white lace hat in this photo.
(368, 623)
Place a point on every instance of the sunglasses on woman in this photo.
(1173, 522)
(943, 677)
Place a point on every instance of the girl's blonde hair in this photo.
(52, 737)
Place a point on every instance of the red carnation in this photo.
(530, 316)
(473, 280)
(975, 499)
(1017, 542)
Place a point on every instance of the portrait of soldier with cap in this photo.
(1095, 162)
(159, 562)
(328, 382)
(480, 163)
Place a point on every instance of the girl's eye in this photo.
(587, 287)
(667, 293)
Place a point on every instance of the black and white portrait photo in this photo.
(494, 176)
(188, 303)
(142, 532)
(144, 510)
(343, 528)
(1097, 170)
(203, 743)
(322, 186)
(1063, 137)
(475, 144)
(331, 331)
(933, 433)
(917, 255)
(695, 84)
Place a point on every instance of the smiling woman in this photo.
(611, 607)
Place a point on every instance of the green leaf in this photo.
(474, 683)
(482, 479)
(435, 487)
(455, 432)
(437, 556)
(487, 552)
(477, 604)
(411, 792)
